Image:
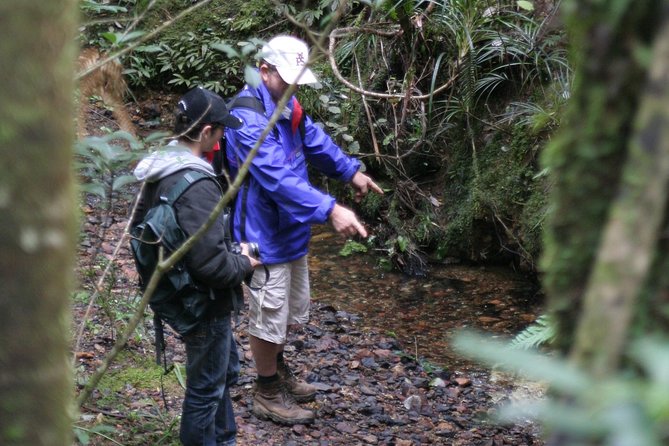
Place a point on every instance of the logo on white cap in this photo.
(299, 59)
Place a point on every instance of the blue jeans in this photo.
(212, 367)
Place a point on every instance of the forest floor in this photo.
(371, 390)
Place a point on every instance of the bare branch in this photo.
(341, 32)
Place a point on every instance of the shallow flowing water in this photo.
(422, 312)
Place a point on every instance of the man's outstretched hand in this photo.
(362, 184)
(345, 222)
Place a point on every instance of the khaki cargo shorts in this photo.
(280, 300)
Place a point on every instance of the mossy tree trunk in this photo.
(37, 216)
(609, 167)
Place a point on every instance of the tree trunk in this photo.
(633, 230)
(37, 220)
(587, 159)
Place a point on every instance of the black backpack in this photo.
(178, 299)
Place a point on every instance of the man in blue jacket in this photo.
(275, 209)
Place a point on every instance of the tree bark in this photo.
(37, 220)
(633, 229)
(586, 159)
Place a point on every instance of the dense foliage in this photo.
(458, 99)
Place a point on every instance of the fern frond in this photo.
(542, 331)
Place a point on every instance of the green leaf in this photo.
(94, 189)
(90, 5)
(110, 37)
(101, 147)
(570, 418)
(248, 49)
(527, 6)
(351, 247)
(121, 134)
(354, 147)
(542, 331)
(82, 436)
(564, 376)
(181, 379)
(334, 110)
(251, 76)
(403, 243)
(156, 136)
(653, 355)
(130, 36)
(229, 51)
(123, 180)
(149, 49)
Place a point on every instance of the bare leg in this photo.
(264, 354)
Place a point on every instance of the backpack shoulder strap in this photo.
(302, 128)
(249, 102)
(184, 183)
(255, 104)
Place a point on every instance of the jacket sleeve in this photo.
(325, 155)
(209, 260)
(272, 170)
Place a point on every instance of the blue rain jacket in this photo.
(281, 203)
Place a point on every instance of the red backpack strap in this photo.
(210, 155)
(297, 118)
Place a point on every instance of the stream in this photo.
(422, 313)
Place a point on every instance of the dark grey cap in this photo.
(200, 105)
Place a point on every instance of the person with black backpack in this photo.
(275, 208)
(200, 312)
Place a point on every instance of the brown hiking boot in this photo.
(301, 390)
(274, 402)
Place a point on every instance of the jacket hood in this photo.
(169, 160)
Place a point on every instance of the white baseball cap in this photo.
(289, 55)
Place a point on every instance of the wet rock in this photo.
(369, 363)
(412, 403)
(420, 382)
(463, 382)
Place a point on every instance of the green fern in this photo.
(542, 331)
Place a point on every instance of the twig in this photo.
(106, 437)
(375, 143)
(104, 412)
(340, 32)
(415, 341)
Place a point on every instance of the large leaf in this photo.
(251, 76)
(92, 5)
(95, 189)
(527, 6)
(156, 136)
(229, 50)
(562, 375)
(123, 180)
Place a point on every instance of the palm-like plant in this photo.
(497, 47)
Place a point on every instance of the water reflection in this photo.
(422, 312)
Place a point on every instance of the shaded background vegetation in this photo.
(460, 166)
